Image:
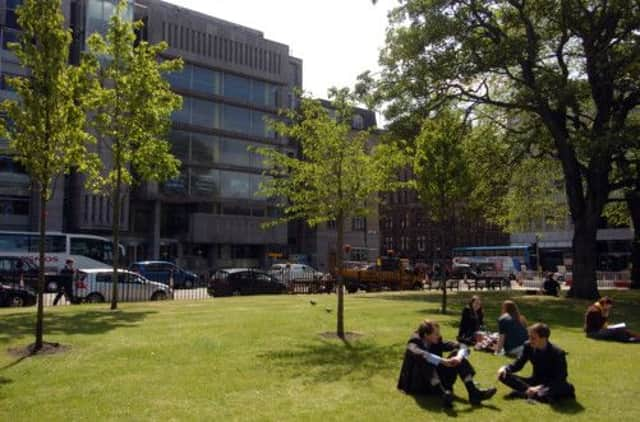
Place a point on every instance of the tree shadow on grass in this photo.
(22, 325)
(331, 361)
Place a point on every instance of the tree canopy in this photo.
(132, 113)
(572, 65)
(46, 122)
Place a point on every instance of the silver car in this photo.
(94, 285)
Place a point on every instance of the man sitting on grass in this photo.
(596, 324)
(425, 371)
(549, 379)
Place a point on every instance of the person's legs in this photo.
(466, 373)
(58, 296)
(516, 383)
(615, 334)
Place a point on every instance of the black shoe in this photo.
(479, 395)
(447, 399)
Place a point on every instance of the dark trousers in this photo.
(611, 334)
(66, 290)
(448, 375)
(556, 390)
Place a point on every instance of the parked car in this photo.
(161, 272)
(13, 295)
(244, 281)
(291, 272)
(94, 285)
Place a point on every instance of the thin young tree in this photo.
(442, 178)
(132, 115)
(337, 171)
(45, 124)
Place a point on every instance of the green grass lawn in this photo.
(262, 358)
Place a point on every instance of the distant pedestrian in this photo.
(65, 286)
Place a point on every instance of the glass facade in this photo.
(213, 115)
(99, 12)
(208, 81)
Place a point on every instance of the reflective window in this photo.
(235, 152)
(183, 115)
(236, 119)
(205, 80)
(234, 184)
(237, 87)
(178, 185)
(205, 182)
(179, 144)
(181, 79)
(203, 112)
(205, 148)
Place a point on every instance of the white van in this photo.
(290, 272)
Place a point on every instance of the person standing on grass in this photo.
(512, 329)
(425, 371)
(596, 324)
(549, 379)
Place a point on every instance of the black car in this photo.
(13, 295)
(14, 268)
(162, 271)
(243, 281)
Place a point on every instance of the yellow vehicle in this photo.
(375, 278)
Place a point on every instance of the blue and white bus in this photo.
(86, 250)
(506, 257)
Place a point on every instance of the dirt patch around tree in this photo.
(47, 349)
(348, 335)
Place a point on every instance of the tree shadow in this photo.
(330, 361)
(21, 325)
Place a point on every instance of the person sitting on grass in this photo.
(549, 379)
(512, 327)
(425, 371)
(550, 287)
(596, 324)
(472, 331)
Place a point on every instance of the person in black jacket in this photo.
(425, 371)
(65, 287)
(550, 286)
(472, 321)
(549, 379)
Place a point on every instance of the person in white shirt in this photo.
(425, 371)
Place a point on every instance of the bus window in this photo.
(12, 242)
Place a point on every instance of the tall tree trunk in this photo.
(633, 203)
(585, 257)
(116, 237)
(339, 279)
(41, 261)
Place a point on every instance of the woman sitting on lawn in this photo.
(472, 331)
(596, 324)
(512, 327)
(472, 321)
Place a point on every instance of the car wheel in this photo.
(52, 286)
(95, 298)
(16, 301)
(236, 293)
(188, 284)
(159, 296)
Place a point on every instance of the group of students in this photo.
(425, 370)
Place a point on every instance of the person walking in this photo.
(65, 286)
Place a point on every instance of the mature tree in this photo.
(442, 177)
(573, 64)
(338, 170)
(132, 114)
(46, 123)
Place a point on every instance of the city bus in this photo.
(86, 250)
(509, 258)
